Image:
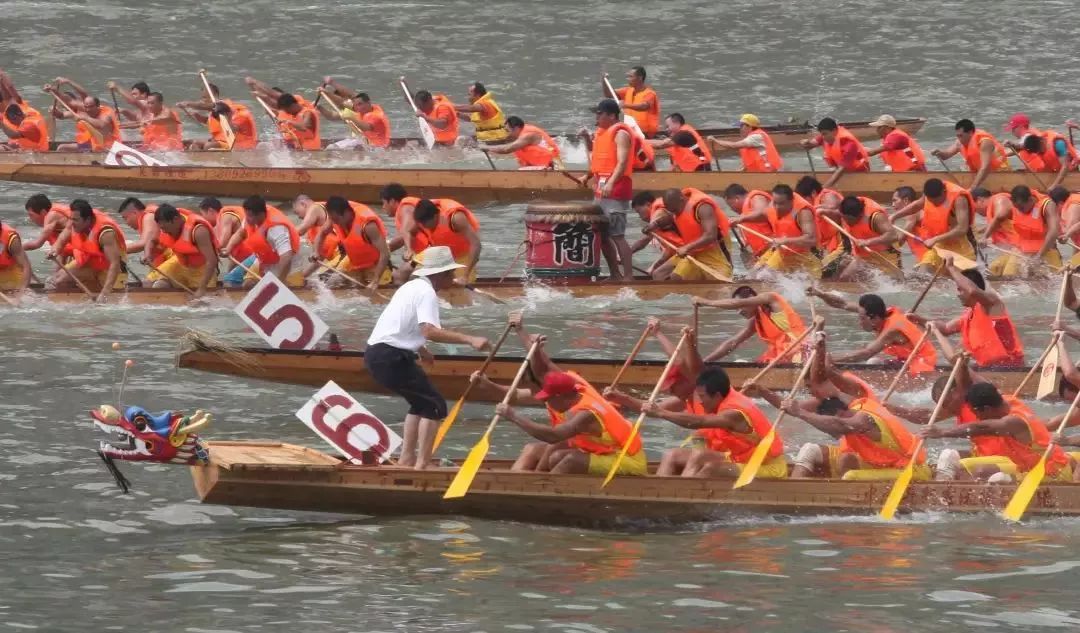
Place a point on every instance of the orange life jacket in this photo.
(8, 236)
(65, 211)
(647, 120)
(656, 210)
(777, 330)
(896, 446)
(84, 137)
(864, 387)
(1031, 227)
(1005, 234)
(1025, 456)
(1063, 212)
(157, 135)
(444, 234)
(753, 242)
(362, 253)
(935, 217)
(834, 151)
(980, 337)
(243, 126)
(309, 139)
(911, 158)
(157, 251)
(240, 251)
(87, 249)
(184, 247)
(756, 159)
(542, 154)
(832, 239)
(1047, 160)
(330, 242)
(685, 158)
(257, 243)
(605, 156)
(445, 109)
(788, 225)
(379, 134)
(616, 427)
(740, 445)
(925, 357)
(973, 155)
(417, 241)
(864, 228)
(33, 120)
(644, 154)
(688, 222)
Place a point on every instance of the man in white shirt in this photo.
(410, 320)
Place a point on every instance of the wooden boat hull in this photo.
(468, 186)
(288, 477)
(450, 374)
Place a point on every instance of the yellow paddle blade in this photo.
(689, 438)
(896, 495)
(447, 423)
(1025, 491)
(749, 471)
(958, 260)
(622, 453)
(465, 475)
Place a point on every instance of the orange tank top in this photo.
(864, 228)
(309, 139)
(243, 126)
(379, 134)
(8, 236)
(688, 221)
(935, 218)
(162, 136)
(788, 225)
(361, 252)
(777, 330)
(604, 155)
(542, 154)
(990, 340)
(757, 159)
(1031, 227)
(84, 137)
(647, 120)
(973, 155)
(444, 109)
(740, 445)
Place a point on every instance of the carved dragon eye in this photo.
(149, 447)
(140, 422)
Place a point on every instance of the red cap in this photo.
(557, 383)
(1018, 120)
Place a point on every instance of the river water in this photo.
(80, 556)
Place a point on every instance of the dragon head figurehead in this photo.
(165, 437)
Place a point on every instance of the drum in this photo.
(563, 240)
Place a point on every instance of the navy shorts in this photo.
(398, 371)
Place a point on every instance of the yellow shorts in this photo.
(460, 274)
(785, 261)
(162, 257)
(960, 246)
(867, 472)
(185, 275)
(687, 270)
(295, 278)
(10, 277)
(631, 464)
(1010, 265)
(1007, 466)
(775, 468)
(364, 276)
(95, 279)
(1075, 260)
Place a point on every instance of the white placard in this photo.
(121, 155)
(348, 426)
(279, 316)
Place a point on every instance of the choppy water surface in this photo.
(79, 556)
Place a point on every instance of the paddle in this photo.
(1034, 174)
(484, 293)
(169, 278)
(750, 469)
(1016, 507)
(465, 475)
(852, 238)
(245, 268)
(521, 251)
(716, 274)
(353, 280)
(949, 171)
(448, 421)
(900, 486)
(633, 354)
(1046, 381)
(93, 131)
(116, 111)
(354, 129)
(810, 157)
(226, 126)
(1030, 261)
(907, 362)
(487, 155)
(961, 262)
(929, 285)
(627, 119)
(764, 237)
(10, 301)
(282, 130)
(425, 128)
(641, 418)
(79, 283)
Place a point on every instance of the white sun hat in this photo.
(435, 260)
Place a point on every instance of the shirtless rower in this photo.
(484, 113)
(440, 114)
(361, 234)
(895, 334)
(756, 148)
(313, 220)
(272, 238)
(695, 156)
(987, 332)
(357, 109)
(211, 110)
(531, 146)
(843, 152)
(52, 217)
(445, 222)
(98, 252)
(140, 217)
(898, 150)
(90, 115)
(193, 258)
(945, 212)
(793, 228)
(15, 269)
(160, 126)
(702, 233)
(228, 220)
(137, 97)
(768, 315)
(639, 100)
(981, 151)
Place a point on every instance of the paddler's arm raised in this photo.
(205, 243)
(630, 403)
(1008, 426)
(79, 90)
(581, 423)
(987, 297)
(729, 419)
(337, 90)
(110, 247)
(756, 301)
(729, 345)
(190, 109)
(833, 299)
(263, 90)
(541, 362)
(521, 396)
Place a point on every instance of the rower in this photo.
(98, 252)
(768, 315)
(357, 109)
(826, 203)
(361, 234)
(400, 207)
(445, 222)
(137, 96)
(895, 334)
(843, 152)
(25, 127)
(793, 227)
(750, 203)
(703, 233)
(193, 259)
(440, 114)
(314, 221)
(227, 222)
(694, 156)
(945, 213)
(52, 217)
(756, 147)
(1037, 223)
(215, 108)
(986, 330)
(639, 100)
(89, 115)
(300, 122)
(898, 150)
(873, 248)
(657, 221)
(408, 322)
(1007, 440)
(140, 217)
(272, 238)
(613, 147)
(997, 210)
(531, 146)
(1068, 204)
(485, 114)
(981, 151)
(15, 272)
(1020, 127)
(160, 126)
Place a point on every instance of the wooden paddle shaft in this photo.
(1061, 292)
(773, 363)
(764, 237)
(226, 126)
(633, 354)
(246, 269)
(926, 290)
(514, 385)
(1034, 174)
(907, 363)
(852, 238)
(1031, 372)
(327, 267)
(487, 361)
(273, 117)
(709, 269)
(169, 278)
(795, 387)
(11, 302)
(78, 282)
(356, 131)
